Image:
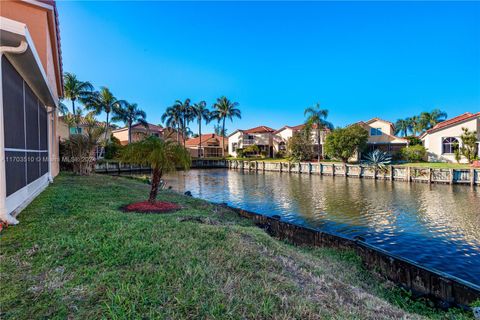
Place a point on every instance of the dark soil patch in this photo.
(147, 207)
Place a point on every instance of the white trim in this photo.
(39, 4)
(3, 182)
(18, 200)
(23, 150)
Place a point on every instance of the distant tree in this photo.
(172, 117)
(299, 145)
(129, 113)
(74, 89)
(469, 144)
(201, 112)
(430, 119)
(217, 129)
(162, 156)
(316, 118)
(342, 143)
(103, 101)
(62, 108)
(402, 127)
(225, 109)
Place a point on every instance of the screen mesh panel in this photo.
(13, 113)
(26, 131)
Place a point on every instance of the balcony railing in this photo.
(248, 142)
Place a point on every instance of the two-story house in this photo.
(282, 135)
(31, 84)
(261, 136)
(381, 135)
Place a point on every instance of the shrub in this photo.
(251, 149)
(414, 153)
(113, 148)
(299, 147)
(413, 141)
(281, 154)
(342, 143)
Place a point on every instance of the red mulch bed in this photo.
(147, 207)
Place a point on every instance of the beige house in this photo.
(64, 131)
(211, 146)
(31, 72)
(282, 135)
(261, 136)
(381, 135)
(140, 132)
(441, 140)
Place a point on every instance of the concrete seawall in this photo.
(393, 173)
(445, 290)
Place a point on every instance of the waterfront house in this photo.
(140, 132)
(64, 130)
(261, 136)
(441, 140)
(381, 135)
(211, 146)
(282, 135)
(31, 73)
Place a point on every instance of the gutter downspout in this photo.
(4, 216)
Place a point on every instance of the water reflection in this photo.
(435, 225)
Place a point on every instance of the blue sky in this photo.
(359, 60)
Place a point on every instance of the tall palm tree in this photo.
(201, 112)
(416, 124)
(430, 119)
(184, 110)
(403, 126)
(75, 89)
(316, 117)
(162, 156)
(103, 101)
(224, 109)
(172, 117)
(129, 113)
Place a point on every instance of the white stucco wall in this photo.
(433, 141)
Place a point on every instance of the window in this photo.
(234, 146)
(156, 135)
(375, 131)
(282, 146)
(449, 145)
(74, 130)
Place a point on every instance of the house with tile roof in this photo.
(261, 136)
(31, 86)
(211, 146)
(381, 135)
(442, 140)
(140, 132)
(282, 135)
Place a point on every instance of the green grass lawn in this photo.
(437, 165)
(76, 255)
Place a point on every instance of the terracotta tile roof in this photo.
(457, 119)
(259, 129)
(206, 138)
(299, 127)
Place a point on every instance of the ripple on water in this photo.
(436, 226)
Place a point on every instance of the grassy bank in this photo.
(75, 255)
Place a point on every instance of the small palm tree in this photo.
(201, 112)
(402, 126)
(128, 113)
(75, 89)
(103, 101)
(162, 156)
(224, 109)
(316, 117)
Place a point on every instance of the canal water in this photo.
(437, 226)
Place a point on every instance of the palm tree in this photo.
(129, 113)
(103, 101)
(172, 118)
(430, 119)
(316, 117)
(224, 109)
(201, 112)
(75, 89)
(62, 108)
(184, 109)
(403, 126)
(162, 156)
(415, 124)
